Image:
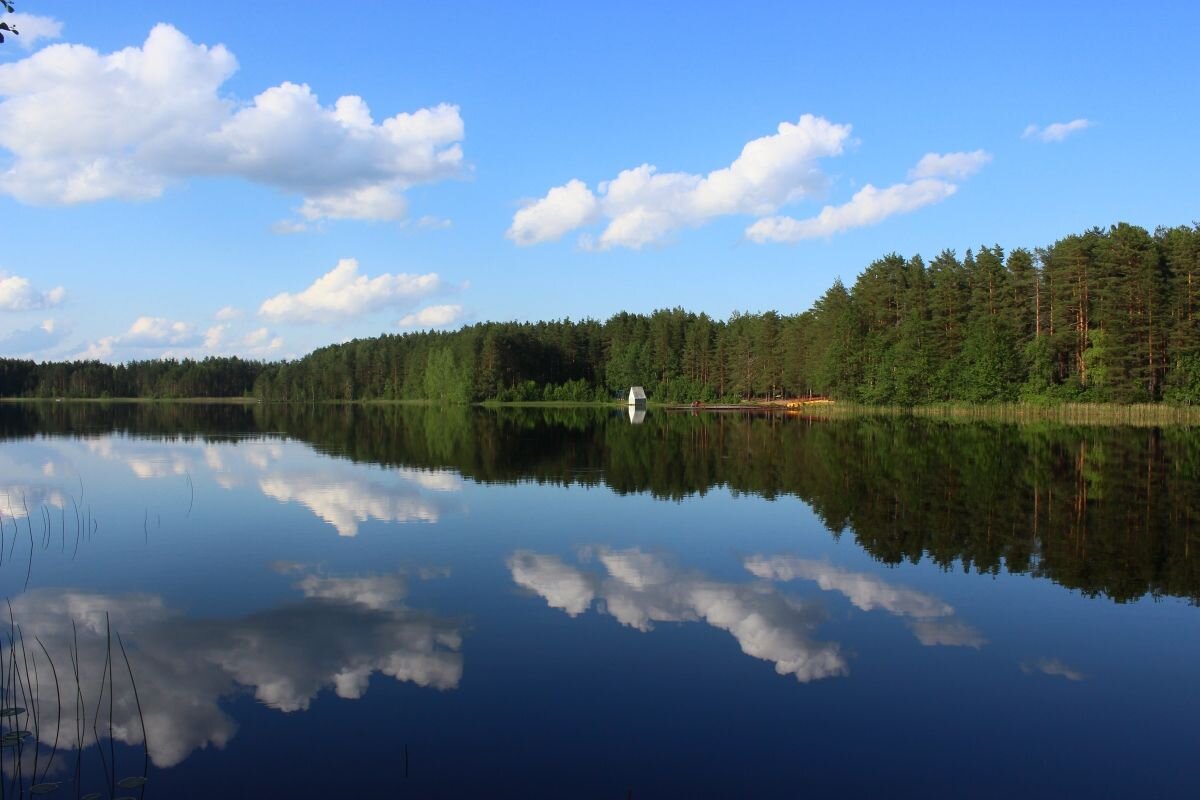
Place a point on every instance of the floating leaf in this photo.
(44, 788)
(11, 712)
(131, 783)
(15, 736)
(92, 796)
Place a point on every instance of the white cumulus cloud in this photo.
(562, 210)
(256, 338)
(214, 336)
(156, 331)
(342, 293)
(81, 126)
(147, 333)
(1056, 131)
(868, 206)
(433, 222)
(643, 206)
(32, 28)
(432, 317)
(183, 340)
(953, 166)
(931, 181)
(18, 294)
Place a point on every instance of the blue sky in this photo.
(155, 190)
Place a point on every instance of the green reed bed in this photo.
(1140, 415)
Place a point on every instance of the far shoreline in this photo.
(1140, 414)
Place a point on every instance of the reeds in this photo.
(22, 668)
(85, 526)
(1148, 415)
(127, 783)
(21, 682)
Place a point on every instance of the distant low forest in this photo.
(1102, 316)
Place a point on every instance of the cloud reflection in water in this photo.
(641, 589)
(341, 632)
(932, 620)
(1052, 667)
(340, 493)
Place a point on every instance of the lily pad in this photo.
(92, 796)
(15, 736)
(11, 712)
(44, 788)
(132, 783)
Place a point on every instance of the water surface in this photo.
(423, 602)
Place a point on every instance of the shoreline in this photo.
(1143, 414)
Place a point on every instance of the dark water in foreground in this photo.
(420, 602)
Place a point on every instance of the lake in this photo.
(411, 601)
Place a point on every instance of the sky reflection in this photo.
(932, 621)
(480, 602)
(340, 493)
(641, 589)
(339, 632)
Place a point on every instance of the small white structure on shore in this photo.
(637, 397)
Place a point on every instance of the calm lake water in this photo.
(423, 602)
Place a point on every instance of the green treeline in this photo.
(158, 378)
(1102, 316)
(1105, 316)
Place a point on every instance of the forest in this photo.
(1101, 316)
